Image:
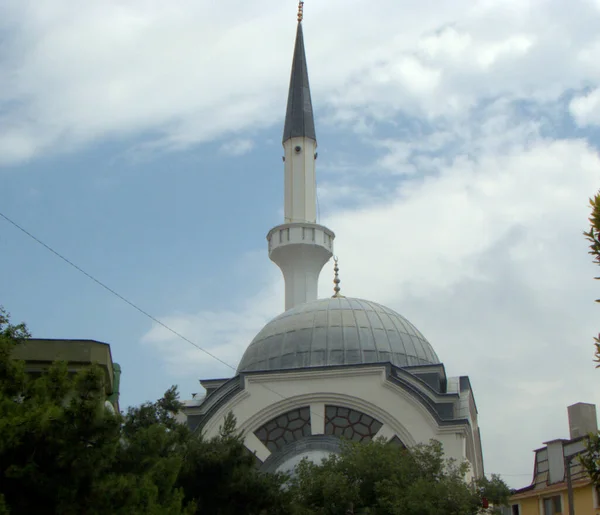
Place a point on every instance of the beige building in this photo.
(39, 354)
(555, 466)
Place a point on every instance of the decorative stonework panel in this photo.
(350, 424)
(285, 428)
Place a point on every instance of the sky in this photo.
(458, 147)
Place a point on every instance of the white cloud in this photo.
(237, 147)
(586, 108)
(189, 73)
(487, 259)
(224, 334)
(16, 147)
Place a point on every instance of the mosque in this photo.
(340, 367)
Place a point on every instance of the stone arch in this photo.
(257, 420)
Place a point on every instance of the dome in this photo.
(337, 331)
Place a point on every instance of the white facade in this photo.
(401, 404)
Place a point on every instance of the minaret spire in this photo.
(300, 247)
(299, 139)
(299, 119)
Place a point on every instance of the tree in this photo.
(593, 237)
(495, 490)
(222, 477)
(377, 478)
(591, 458)
(62, 452)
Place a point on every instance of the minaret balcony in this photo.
(300, 233)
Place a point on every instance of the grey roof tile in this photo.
(337, 331)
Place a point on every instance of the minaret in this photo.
(300, 247)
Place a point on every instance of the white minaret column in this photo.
(300, 247)
(300, 182)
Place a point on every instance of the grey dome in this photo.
(337, 331)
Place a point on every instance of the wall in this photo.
(367, 390)
(584, 501)
(529, 506)
(583, 498)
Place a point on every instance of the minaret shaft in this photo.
(300, 180)
(300, 247)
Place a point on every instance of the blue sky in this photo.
(457, 149)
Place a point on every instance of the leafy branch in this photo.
(593, 237)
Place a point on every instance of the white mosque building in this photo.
(340, 367)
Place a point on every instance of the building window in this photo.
(552, 505)
(597, 496)
(350, 424)
(515, 509)
(286, 428)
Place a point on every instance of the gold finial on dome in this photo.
(300, 11)
(336, 279)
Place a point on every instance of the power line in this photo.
(124, 299)
(109, 289)
(140, 310)
(145, 313)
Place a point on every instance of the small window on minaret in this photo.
(312, 234)
(287, 234)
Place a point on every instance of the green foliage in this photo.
(593, 237)
(12, 373)
(226, 471)
(495, 490)
(62, 452)
(382, 479)
(591, 459)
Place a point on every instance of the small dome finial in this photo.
(300, 11)
(336, 278)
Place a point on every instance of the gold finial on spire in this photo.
(300, 11)
(336, 279)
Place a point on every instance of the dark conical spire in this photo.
(299, 119)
